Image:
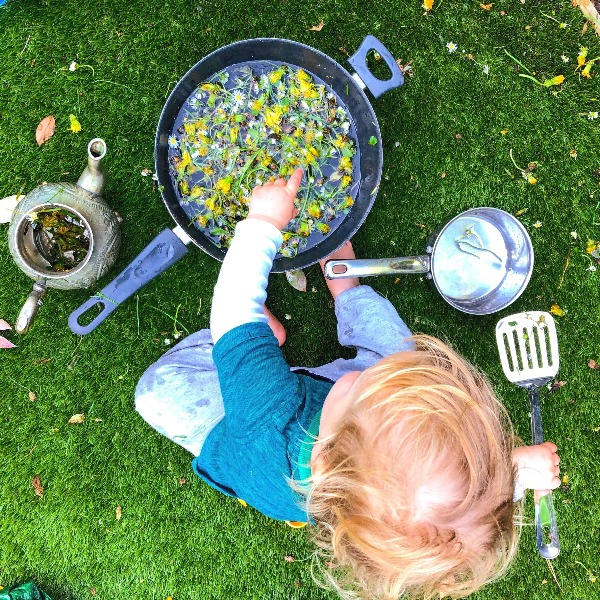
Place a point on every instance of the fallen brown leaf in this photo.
(41, 361)
(32, 396)
(93, 592)
(591, 11)
(317, 27)
(45, 130)
(289, 559)
(182, 481)
(118, 513)
(592, 364)
(37, 486)
(556, 385)
(78, 418)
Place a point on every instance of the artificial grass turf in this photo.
(444, 152)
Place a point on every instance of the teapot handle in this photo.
(31, 306)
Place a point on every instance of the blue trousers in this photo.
(179, 394)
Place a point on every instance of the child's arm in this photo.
(537, 468)
(240, 291)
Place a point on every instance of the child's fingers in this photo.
(293, 183)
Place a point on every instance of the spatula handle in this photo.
(546, 530)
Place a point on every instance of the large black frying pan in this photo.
(170, 245)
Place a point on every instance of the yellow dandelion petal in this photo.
(586, 72)
(223, 185)
(581, 56)
(75, 126)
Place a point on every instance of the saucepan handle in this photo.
(161, 253)
(365, 267)
(359, 62)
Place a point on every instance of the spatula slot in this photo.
(508, 352)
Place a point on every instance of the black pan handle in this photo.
(162, 252)
(359, 61)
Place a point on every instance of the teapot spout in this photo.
(92, 179)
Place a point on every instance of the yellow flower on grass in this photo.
(581, 56)
(75, 124)
(554, 81)
(586, 72)
(428, 4)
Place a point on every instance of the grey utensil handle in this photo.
(365, 267)
(546, 530)
(359, 61)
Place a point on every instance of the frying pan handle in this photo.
(365, 267)
(162, 252)
(359, 61)
(546, 530)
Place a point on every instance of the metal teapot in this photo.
(64, 235)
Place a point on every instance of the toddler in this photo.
(401, 459)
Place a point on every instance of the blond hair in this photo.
(414, 495)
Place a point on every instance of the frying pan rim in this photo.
(169, 195)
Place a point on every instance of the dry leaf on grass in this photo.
(78, 418)
(591, 11)
(297, 279)
(592, 364)
(38, 488)
(556, 385)
(118, 513)
(7, 207)
(45, 129)
(32, 396)
(317, 27)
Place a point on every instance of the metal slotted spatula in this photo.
(528, 349)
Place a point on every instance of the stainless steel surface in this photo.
(31, 306)
(365, 267)
(480, 261)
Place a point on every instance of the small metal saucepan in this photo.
(480, 261)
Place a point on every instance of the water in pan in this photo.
(255, 121)
(470, 259)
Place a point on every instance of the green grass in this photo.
(188, 541)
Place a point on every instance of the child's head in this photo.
(416, 492)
